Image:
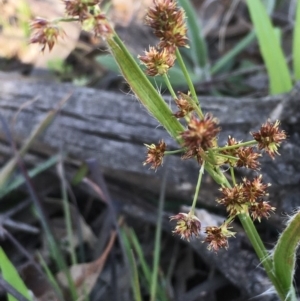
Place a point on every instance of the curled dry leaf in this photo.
(85, 275)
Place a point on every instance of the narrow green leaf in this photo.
(197, 41)
(277, 68)
(143, 89)
(11, 275)
(284, 256)
(296, 44)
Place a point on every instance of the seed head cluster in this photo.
(168, 23)
(248, 194)
(155, 154)
(217, 237)
(188, 225)
(45, 33)
(87, 12)
(269, 137)
(158, 62)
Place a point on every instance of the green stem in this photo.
(232, 175)
(201, 172)
(261, 251)
(65, 20)
(169, 86)
(177, 151)
(228, 157)
(247, 143)
(157, 245)
(188, 79)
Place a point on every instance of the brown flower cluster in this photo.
(199, 136)
(79, 8)
(158, 62)
(168, 22)
(184, 105)
(269, 137)
(86, 11)
(188, 225)
(155, 154)
(217, 237)
(247, 196)
(44, 33)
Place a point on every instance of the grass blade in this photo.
(11, 275)
(198, 44)
(278, 72)
(296, 44)
(284, 256)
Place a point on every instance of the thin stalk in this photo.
(177, 151)
(232, 175)
(67, 213)
(157, 246)
(201, 172)
(188, 78)
(261, 252)
(247, 143)
(169, 86)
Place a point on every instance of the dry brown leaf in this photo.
(85, 275)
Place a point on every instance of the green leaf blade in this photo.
(279, 76)
(296, 44)
(284, 256)
(11, 275)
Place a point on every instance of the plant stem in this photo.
(177, 151)
(247, 143)
(188, 79)
(261, 252)
(169, 86)
(201, 172)
(157, 244)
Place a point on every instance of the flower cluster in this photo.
(44, 33)
(158, 62)
(247, 196)
(188, 225)
(155, 154)
(168, 23)
(269, 137)
(217, 237)
(85, 11)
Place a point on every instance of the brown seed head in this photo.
(233, 198)
(261, 209)
(79, 8)
(248, 158)
(158, 62)
(188, 225)
(44, 33)
(155, 154)
(201, 134)
(217, 237)
(184, 105)
(168, 22)
(254, 189)
(269, 137)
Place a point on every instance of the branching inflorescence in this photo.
(199, 139)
